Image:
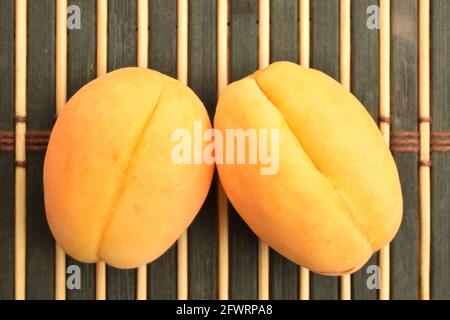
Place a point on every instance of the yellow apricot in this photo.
(112, 191)
(336, 197)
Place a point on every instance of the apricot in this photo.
(112, 191)
(336, 197)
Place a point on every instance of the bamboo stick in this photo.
(182, 72)
(425, 161)
(263, 61)
(304, 40)
(222, 62)
(345, 43)
(304, 61)
(345, 65)
(102, 36)
(102, 47)
(61, 95)
(384, 255)
(20, 153)
(142, 33)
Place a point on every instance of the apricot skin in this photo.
(112, 191)
(336, 198)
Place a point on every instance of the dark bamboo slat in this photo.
(40, 251)
(243, 61)
(202, 75)
(283, 46)
(122, 44)
(325, 57)
(365, 86)
(6, 160)
(81, 68)
(162, 278)
(404, 114)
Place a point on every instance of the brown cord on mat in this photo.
(20, 119)
(404, 134)
(425, 119)
(38, 133)
(408, 141)
(405, 149)
(36, 141)
(404, 141)
(425, 163)
(6, 134)
(384, 119)
(440, 141)
(6, 149)
(440, 134)
(6, 141)
(21, 164)
(439, 149)
(400, 142)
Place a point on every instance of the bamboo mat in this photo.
(399, 72)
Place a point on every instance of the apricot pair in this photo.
(114, 193)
